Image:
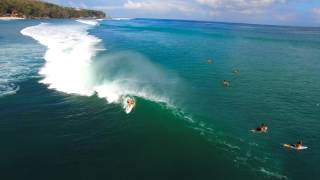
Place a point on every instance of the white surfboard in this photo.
(293, 147)
(255, 131)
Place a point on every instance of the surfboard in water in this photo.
(293, 147)
(255, 131)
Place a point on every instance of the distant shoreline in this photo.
(35, 9)
(8, 18)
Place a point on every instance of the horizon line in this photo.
(222, 22)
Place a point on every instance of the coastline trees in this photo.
(39, 9)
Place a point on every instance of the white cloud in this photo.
(159, 6)
(208, 7)
(316, 11)
(107, 8)
(240, 6)
(316, 14)
(78, 5)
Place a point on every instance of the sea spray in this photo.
(70, 66)
(130, 73)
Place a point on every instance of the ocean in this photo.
(64, 84)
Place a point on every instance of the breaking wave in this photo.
(88, 22)
(72, 66)
(122, 19)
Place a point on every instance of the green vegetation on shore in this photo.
(39, 9)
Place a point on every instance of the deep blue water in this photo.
(61, 100)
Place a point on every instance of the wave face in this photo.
(71, 66)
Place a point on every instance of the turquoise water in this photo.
(62, 84)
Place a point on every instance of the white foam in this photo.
(8, 89)
(88, 22)
(17, 63)
(122, 19)
(272, 174)
(68, 57)
(69, 66)
(10, 18)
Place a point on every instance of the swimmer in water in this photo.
(226, 82)
(298, 145)
(262, 128)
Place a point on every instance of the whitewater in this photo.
(70, 67)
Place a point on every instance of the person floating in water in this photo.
(210, 61)
(226, 82)
(298, 145)
(262, 128)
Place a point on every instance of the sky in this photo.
(275, 12)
